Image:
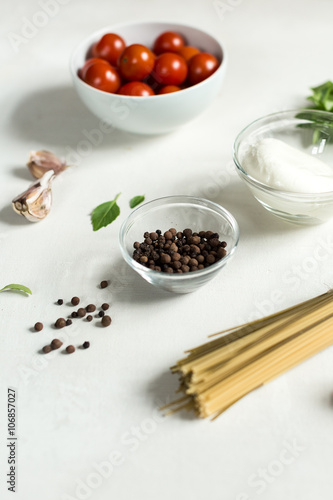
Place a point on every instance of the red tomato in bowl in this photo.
(188, 52)
(169, 41)
(201, 67)
(136, 62)
(102, 76)
(168, 89)
(136, 89)
(170, 69)
(89, 62)
(109, 47)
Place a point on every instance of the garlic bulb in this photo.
(35, 203)
(43, 161)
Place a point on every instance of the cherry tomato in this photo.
(89, 62)
(188, 52)
(103, 76)
(170, 69)
(168, 89)
(136, 62)
(109, 47)
(201, 67)
(136, 89)
(169, 41)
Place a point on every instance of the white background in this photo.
(75, 411)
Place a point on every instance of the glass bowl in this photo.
(180, 212)
(307, 130)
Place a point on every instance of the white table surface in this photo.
(76, 413)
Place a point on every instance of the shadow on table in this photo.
(163, 391)
(252, 218)
(57, 117)
(23, 173)
(8, 216)
(128, 287)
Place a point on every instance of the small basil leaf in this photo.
(136, 200)
(20, 288)
(105, 213)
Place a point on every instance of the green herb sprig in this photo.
(322, 97)
(322, 100)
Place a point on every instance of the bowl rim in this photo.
(107, 29)
(180, 199)
(264, 187)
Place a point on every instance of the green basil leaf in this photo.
(20, 288)
(105, 213)
(136, 200)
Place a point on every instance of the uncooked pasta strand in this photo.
(231, 349)
(220, 372)
(264, 374)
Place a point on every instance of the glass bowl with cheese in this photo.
(286, 160)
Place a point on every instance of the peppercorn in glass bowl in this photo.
(286, 161)
(180, 213)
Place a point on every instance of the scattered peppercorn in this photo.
(104, 284)
(70, 349)
(106, 321)
(60, 323)
(68, 322)
(75, 301)
(81, 312)
(47, 348)
(55, 344)
(60, 302)
(38, 326)
(101, 314)
(89, 317)
(86, 344)
(105, 307)
(74, 314)
(90, 308)
(179, 252)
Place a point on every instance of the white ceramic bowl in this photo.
(153, 114)
(179, 212)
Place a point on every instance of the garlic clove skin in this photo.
(44, 161)
(35, 203)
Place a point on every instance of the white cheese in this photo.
(278, 165)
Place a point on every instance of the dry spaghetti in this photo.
(217, 374)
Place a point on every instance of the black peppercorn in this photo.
(60, 323)
(179, 252)
(106, 321)
(55, 344)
